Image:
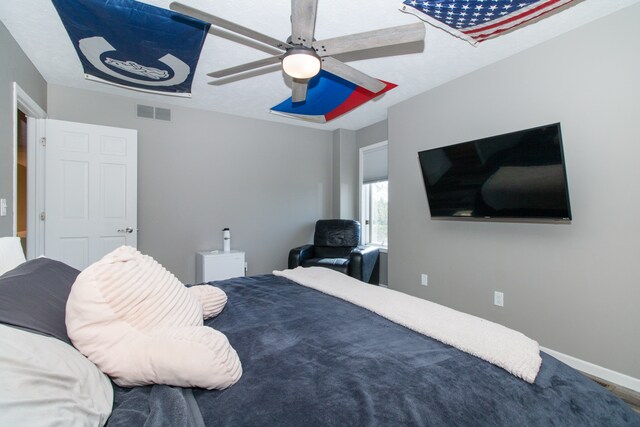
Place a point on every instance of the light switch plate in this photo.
(498, 299)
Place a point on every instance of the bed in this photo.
(310, 358)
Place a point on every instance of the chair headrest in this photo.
(337, 232)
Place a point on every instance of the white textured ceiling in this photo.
(37, 28)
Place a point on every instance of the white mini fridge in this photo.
(219, 265)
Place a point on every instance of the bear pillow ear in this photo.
(123, 313)
(212, 299)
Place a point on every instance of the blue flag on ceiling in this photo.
(328, 97)
(134, 45)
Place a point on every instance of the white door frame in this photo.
(35, 198)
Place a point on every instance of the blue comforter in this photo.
(310, 359)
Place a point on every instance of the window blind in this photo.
(374, 165)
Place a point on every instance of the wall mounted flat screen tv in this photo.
(516, 176)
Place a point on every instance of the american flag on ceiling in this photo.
(478, 20)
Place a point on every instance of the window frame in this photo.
(364, 200)
(367, 213)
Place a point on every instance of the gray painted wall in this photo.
(575, 287)
(345, 176)
(15, 67)
(203, 171)
(372, 134)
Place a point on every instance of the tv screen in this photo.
(518, 175)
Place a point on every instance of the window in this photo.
(374, 194)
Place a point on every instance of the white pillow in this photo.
(11, 254)
(140, 325)
(47, 382)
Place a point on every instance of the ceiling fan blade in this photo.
(299, 90)
(303, 21)
(341, 69)
(227, 25)
(246, 67)
(371, 39)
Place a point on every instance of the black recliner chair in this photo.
(336, 246)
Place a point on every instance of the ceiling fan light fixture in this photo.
(301, 63)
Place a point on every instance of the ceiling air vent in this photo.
(163, 114)
(149, 112)
(145, 111)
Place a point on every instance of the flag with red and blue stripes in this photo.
(479, 20)
(328, 97)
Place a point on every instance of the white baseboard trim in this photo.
(613, 377)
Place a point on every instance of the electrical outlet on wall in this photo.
(498, 299)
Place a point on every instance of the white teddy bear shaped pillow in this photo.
(140, 325)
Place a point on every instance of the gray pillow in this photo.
(34, 296)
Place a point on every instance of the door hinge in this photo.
(43, 216)
(43, 141)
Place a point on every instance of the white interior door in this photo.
(90, 191)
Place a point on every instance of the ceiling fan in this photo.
(302, 56)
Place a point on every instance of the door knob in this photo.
(125, 230)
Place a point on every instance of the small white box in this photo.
(218, 265)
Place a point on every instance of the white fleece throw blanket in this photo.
(504, 347)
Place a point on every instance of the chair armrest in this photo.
(363, 264)
(299, 254)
